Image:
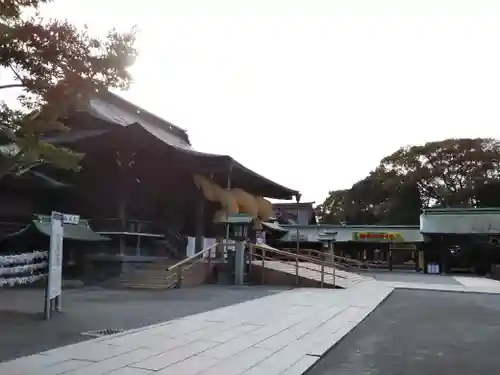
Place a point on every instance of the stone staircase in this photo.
(149, 276)
(310, 274)
(155, 276)
(148, 279)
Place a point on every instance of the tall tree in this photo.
(447, 173)
(59, 68)
(488, 194)
(334, 208)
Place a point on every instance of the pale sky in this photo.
(311, 93)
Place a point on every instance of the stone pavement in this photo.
(284, 333)
(279, 334)
(465, 284)
(92, 308)
(421, 332)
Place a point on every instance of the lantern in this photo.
(238, 226)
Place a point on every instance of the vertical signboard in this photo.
(55, 256)
(54, 282)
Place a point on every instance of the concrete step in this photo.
(145, 278)
(157, 275)
(151, 277)
(147, 286)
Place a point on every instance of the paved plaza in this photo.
(89, 309)
(285, 332)
(420, 332)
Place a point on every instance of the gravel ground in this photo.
(421, 332)
(24, 332)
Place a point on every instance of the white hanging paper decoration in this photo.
(25, 258)
(11, 281)
(28, 268)
(26, 263)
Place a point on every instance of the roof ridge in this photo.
(165, 124)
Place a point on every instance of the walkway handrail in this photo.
(192, 257)
(335, 256)
(294, 255)
(304, 267)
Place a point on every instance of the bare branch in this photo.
(12, 85)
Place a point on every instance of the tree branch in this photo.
(18, 76)
(12, 85)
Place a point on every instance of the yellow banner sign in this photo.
(377, 236)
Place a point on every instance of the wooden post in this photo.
(390, 258)
(421, 262)
(179, 278)
(250, 258)
(228, 190)
(262, 268)
(296, 270)
(322, 274)
(297, 198)
(209, 263)
(334, 275)
(199, 218)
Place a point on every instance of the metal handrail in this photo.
(301, 265)
(322, 264)
(347, 260)
(319, 254)
(187, 260)
(299, 256)
(193, 259)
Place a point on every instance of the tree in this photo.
(333, 209)
(448, 173)
(488, 194)
(59, 68)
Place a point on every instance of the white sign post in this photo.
(54, 282)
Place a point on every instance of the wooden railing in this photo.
(178, 269)
(267, 253)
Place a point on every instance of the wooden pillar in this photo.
(390, 258)
(122, 197)
(446, 259)
(228, 189)
(297, 199)
(200, 221)
(445, 255)
(421, 260)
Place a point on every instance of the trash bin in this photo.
(433, 268)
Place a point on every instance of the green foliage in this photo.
(59, 69)
(448, 173)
